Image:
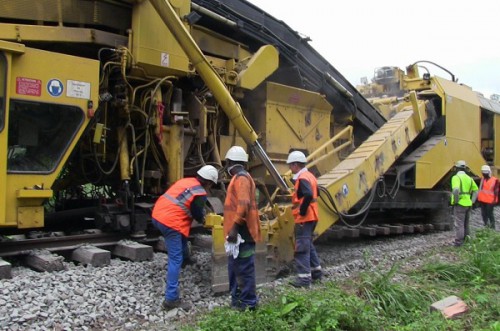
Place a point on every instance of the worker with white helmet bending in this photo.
(305, 213)
(488, 196)
(173, 214)
(464, 194)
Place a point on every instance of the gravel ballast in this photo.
(127, 295)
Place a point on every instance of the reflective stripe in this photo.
(189, 192)
(179, 204)
(316, 268)
(182, 198)
(304, 275)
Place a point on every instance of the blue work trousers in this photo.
(242, 283)
(177, 249)
(306, 257)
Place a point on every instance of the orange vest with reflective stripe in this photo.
(240, 205)
(312, 210)
(488, 190)
(173, 208)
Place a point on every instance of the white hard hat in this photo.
(460, 164)
(486, 169)
(296, 156)
(237, 153)
(209, 172)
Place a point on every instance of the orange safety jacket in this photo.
(240, 206)
(173, 208)
(312, 210)
(488, 190)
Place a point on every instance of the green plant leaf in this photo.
(288, 308)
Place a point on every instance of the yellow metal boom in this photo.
(215, 84)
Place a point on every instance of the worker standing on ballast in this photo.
(173, 214)
(464, 194)
(305, 213)
(241, 228)
(488, 196)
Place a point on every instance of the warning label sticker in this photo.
(28, 86)
(165, 60)
(76, 89)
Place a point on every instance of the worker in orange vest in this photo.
(488, 196)
(305, 212)
(241, 228)
(173, 214)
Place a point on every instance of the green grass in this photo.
(384, 298)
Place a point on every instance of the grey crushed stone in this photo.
(127, 295)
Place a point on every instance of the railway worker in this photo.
(488, 196)
(241, 221)
(305, 212)
(173, 214)
(464, 194)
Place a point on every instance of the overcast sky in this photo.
(357, 36)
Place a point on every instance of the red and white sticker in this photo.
(28, 86)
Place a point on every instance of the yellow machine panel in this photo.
(292, 119)
(51, 99)
(154, 48)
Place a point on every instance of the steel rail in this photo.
(64, 243)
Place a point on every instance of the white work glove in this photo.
(233, 248)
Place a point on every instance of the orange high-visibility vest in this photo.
(312, 210)
(173, 208)
(487, 190)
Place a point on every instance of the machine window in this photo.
(39, 135)
(3, 84)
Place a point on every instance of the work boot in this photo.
(242, 307)
(188, 261)
(301, 282)
(317, 275)
(169, 305)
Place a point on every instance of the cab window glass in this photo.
(39, 135)
(3, 84)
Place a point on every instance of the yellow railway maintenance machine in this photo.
(104, 104)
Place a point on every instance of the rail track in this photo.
(32, 249)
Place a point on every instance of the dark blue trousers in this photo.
(242, 283)
(306, 257)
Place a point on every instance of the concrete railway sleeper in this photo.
(96, 248)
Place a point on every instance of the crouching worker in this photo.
(241, 221)
(173, 214)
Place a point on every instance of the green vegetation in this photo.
(388, 297)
